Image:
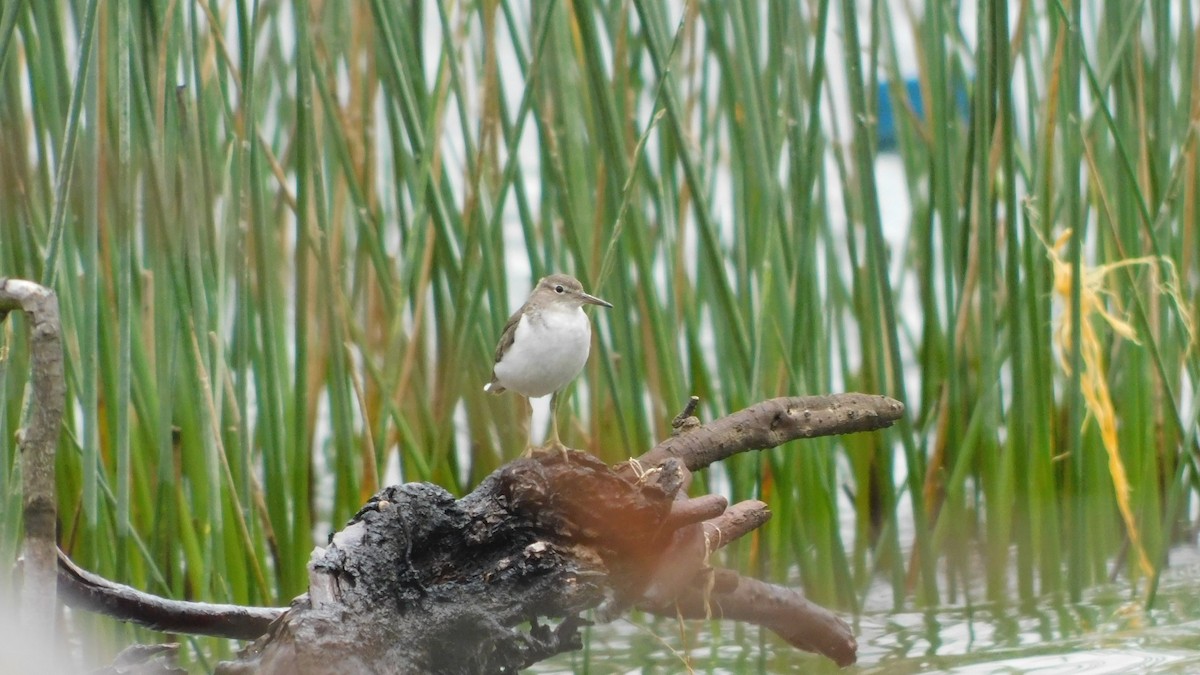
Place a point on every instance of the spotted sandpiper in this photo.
(545, 343)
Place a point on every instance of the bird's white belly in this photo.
(546, 353)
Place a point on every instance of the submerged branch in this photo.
(784, 611)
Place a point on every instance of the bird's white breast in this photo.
(548, 351)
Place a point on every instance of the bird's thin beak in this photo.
(593, 300)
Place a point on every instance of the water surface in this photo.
(1106, 633)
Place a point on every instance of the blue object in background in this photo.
(885, 127)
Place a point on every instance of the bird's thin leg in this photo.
(528, 407)
(554, 443)
(554, 420)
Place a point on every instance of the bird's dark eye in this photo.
(559, 289)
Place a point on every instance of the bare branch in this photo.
(784, 611)
(38, 440)
(774, 422)
(736, 522)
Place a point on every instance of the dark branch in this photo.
(83, 590)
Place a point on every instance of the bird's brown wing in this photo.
(506, 340)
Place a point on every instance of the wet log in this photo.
(420, 581)
(502, 578)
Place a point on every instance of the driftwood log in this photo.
(421, 582)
